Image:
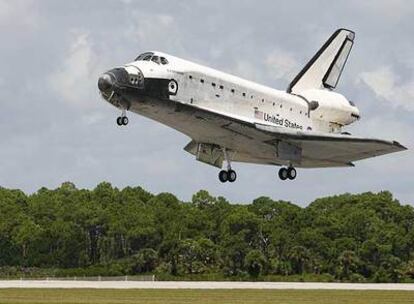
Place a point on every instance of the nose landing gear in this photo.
(287, 173)
(123, 119)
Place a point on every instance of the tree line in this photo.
(111, 231)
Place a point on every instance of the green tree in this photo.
(203, 199)
(299, 257)
(26, 235)
(255, 262)
(409, 269)
(145, 260)
(106, 230)
(348, 261)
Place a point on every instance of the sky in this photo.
(55, 127)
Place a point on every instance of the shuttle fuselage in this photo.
(230, 118)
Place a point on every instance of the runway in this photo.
(200, 285)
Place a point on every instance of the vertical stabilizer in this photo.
(325, 68)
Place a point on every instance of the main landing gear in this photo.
(123, 119)
(287, 173)
(228, 175)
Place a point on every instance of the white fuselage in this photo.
(181, 94)
(232, 119)
(218, 92)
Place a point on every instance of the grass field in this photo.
(201, 296)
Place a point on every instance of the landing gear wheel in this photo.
(223, 176)
(125, 120)
(172, 87)
(291, 172)
(232, 176)
(119, 121)
(283, 173)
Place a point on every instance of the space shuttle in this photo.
(229, 119)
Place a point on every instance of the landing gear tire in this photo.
(172, 87)
(283, 173)
(287, 173)
(122, 121)
(223, 176)
(291, 172)
(232, 176)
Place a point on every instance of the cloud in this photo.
(245, 69)
(393, 10)
(18, 15)
(74, 81)
(282, 64)
(386, 84)
(152, 31)
(54, 51)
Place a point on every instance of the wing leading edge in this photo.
(326, 150)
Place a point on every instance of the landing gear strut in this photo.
(229, 174)
(123, 119)
(287, 173)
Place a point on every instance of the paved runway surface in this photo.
(200, 285)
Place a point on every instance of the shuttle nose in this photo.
(355, 114)
(105, 83)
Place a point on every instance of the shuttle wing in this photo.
(326, 150)
(265, 144)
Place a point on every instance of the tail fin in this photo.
(325, 68)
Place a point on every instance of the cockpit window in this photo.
(156, 59)
(149, 56)
(144, 55)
